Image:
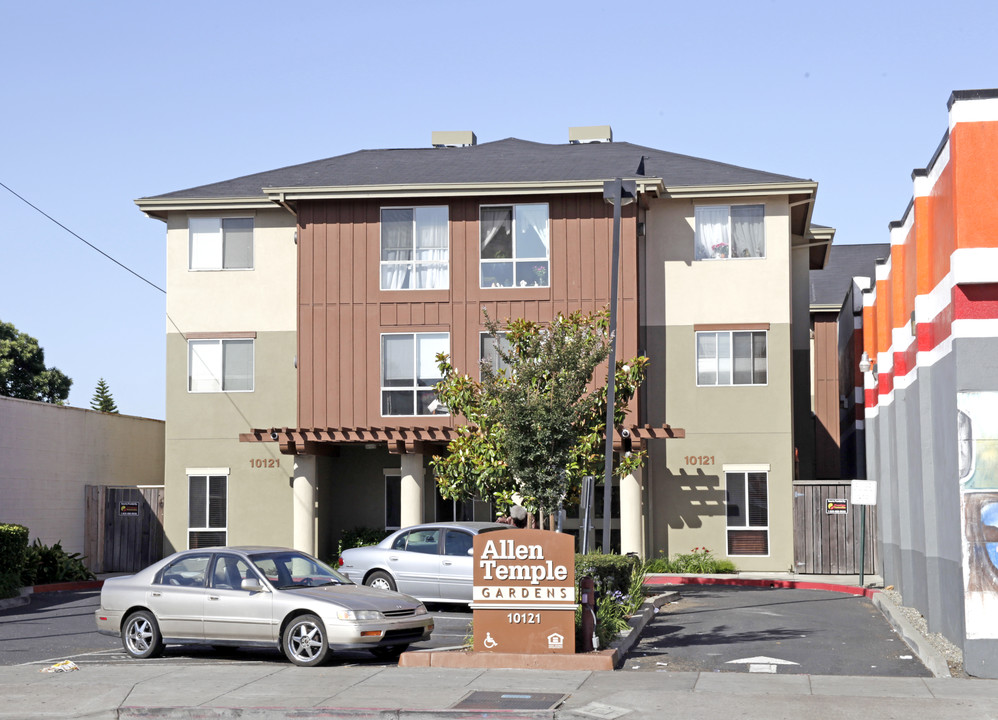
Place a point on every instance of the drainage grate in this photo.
(481, 700)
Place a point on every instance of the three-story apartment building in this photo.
(306, 306)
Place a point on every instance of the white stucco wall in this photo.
(48, 454)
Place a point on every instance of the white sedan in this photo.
(256, 596)
(432, 562)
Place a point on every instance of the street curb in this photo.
(649, 609)
(930, 657)
(26, 592)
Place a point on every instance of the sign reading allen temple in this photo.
(524, 592)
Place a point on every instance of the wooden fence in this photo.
(827, 529)
(124, 528)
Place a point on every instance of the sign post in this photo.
(864, 492)
(524, 592)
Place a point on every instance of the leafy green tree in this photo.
(536, 425)
(102, 399)
(22, 369)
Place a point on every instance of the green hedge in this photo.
(610, 572)
(13, 550)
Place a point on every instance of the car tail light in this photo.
(341, 562)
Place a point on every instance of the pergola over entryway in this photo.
(412, 444)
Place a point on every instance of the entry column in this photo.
(304, 503)
(412, 489)
(632, 513)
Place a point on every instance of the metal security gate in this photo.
(827, 529)
(124, 527)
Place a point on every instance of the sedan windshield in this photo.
(289, 569)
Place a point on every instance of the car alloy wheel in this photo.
(381, 581)
(305, 641)
(140, 635)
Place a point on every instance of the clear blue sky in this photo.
(106, 102)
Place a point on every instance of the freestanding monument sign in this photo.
(524, 592)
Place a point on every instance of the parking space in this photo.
(783, 631)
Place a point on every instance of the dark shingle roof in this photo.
(509, 160)
(829, 286)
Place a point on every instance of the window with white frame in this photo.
(731, 357)
(409, 371)
(747, 499)
(489, 353)
(221, 243)
(414, 248)
(206, 508)
(220, 365)
(515, 246)
(725, 232)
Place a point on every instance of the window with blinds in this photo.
(206, 510)
(747, 499)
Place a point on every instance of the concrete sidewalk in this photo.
(161, 689)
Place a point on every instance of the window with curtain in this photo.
(747, 500)
(488, 353)
(514, 246)
(220, 243)
(220, 365)
(206, 510)
(731, 357)
(726, 232)
(414, 248)
(409, 371)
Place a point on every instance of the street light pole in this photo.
(618, 193)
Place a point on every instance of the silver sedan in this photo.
(256, 596)
(432, 562)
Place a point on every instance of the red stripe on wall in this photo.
(976, 302)
(904, 362)
(930, 334)
(870, 397)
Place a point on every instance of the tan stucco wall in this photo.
(733, 425)
(202, 429)
(48, 454)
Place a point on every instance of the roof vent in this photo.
(454, 138)
(590, 134)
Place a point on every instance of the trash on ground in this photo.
(64, 666)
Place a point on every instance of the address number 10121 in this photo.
(699, 459)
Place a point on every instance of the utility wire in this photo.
(32, 205)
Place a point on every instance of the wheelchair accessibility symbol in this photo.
(489, 641)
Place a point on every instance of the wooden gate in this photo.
(827, 529)
(124, 528)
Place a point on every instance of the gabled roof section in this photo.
(830, 285)
(503, 166)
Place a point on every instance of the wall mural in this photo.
(977, 427)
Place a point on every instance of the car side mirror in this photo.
(471, 551)
(251, 585)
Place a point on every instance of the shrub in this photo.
(698, 561)
(358, 537)
(617, 579)
(13, 547)
(45, 564)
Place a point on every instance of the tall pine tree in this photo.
(102, 400)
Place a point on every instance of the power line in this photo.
(91, 245)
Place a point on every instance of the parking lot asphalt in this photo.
(227, 688)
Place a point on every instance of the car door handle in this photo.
(213, 597)
(448, 562)
(393, 557)
(156, 594)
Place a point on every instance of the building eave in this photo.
(159, 207)
(555, 187)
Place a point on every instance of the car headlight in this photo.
(420, 609)
(358, 615)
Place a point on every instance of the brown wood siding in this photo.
(826, 398)
(342, 311)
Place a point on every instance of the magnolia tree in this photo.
(536, 420)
